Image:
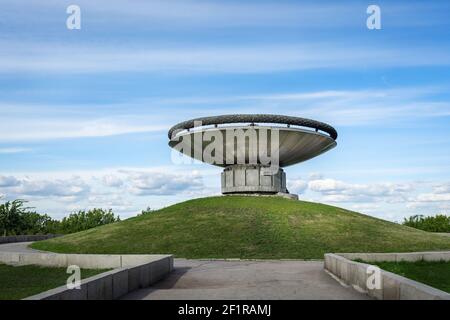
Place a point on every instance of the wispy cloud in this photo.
(57, 58)
(376, 107)
(371, 106)
(167, 50)
(65, 127)
(355, 107)
(14, 150)
(225, 14)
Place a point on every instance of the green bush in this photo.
(146, 211)
(438, 223)
(35, 223)
(83, 220)
(16, 218)
(10, 216)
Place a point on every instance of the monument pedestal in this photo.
(253, 179)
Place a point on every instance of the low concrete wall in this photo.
(88, 261)
(393, 286)
(27, 238)
(113, 284)
(397, 257)
(130, 273)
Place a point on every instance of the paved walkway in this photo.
(204, 279)
(17, 247)
(218, 279)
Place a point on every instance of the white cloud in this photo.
(66, 126)
(8, 181)
(371, 198)
(442, 188)
(13, 150)
(111, 180)
(432, 197)
(190, 14)
(297, 186)
(360, 107)
(53, 58)
(153, 181)
(327, 186)
(163, 183)
(315, 176)
(193, 13)
(129, 190)
(339, 107)
(116, 202)
(339, 191)
(386, 200)
(69, 189)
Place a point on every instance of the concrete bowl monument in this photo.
(253, 149)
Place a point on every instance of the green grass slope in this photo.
(248, 227)
(18, 282)
(432, 273)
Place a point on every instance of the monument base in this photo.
(253, 179)
(291, 196)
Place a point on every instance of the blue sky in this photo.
(84, 113)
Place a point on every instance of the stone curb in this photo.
(113, 284)
(88, 261)
(131, 272)
(393, 286)
(27, 238)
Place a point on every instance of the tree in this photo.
(35, 223)
(83, 220)
(438, 223)
(15, 219)
(10, 216)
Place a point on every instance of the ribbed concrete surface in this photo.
(203, 279)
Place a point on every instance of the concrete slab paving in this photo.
(243, 280)
(20, 247)
(238, 280)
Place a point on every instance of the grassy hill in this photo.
(248, 227)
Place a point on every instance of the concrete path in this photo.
(204, 279)
(17, 247)
(445, 234)
(218, 279)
